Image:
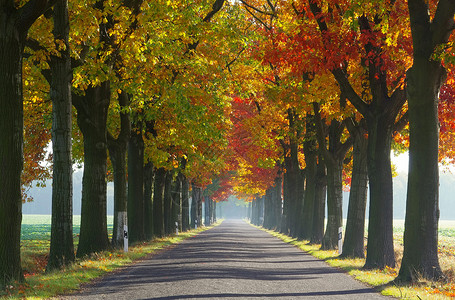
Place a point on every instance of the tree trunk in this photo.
(353, 245)
(117, 153)
(199, 208)
(168, 226)
(425, 78)
(284, 228)
(333, 157)
(136, 226)
(334, 204)
(158, 202)
(177, 203)
(310, 172)
(14, 25)
(61, 247)
(214, 211)
(277, 202)
(91, 118)
(194, 194)
(319, 203)
(149, 176)
(420, 257)
(268, 207)
(207, 211)
(185, 203)
(11, 151)
(380, 251)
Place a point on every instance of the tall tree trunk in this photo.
(284, 218)
(177, 203)
(149, 176)
(92, 114)
(136, 231)
(380, 223)
(254, 212)
(277, 202)
(214, 211)
(117, 153)
(319, 203)
(206, 211)
(91, 118)
(168, 226)
(185, 203)
(268, 207)
(420, 257)
(158, 202)
(294, 191)
(353, 245)
(14, 26)
(194, 195)
(11, 151)
(199, 208)
(334, 204)
(61, 247)
(309, 200)
(333, 157)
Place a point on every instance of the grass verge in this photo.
(382, 280)
(39, 285)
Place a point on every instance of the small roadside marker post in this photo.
(177, 228)
(340, 242)
(125, 238)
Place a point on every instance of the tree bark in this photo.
(380, 251)
(177, 203)
(14, 25)
(333, 157)
(310, 151)
(149, 175)
(353, 245)
(277, 202)
(268, 209)
(61, 247)
(319, 203)
(168, 226)
(207, 215)
(158, 202)
(11, 151)
(117, 153)
(91, 118)
(424, 80)
(185, 203)
(136, 226)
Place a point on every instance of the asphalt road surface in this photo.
(231, 261)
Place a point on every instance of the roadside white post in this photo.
(340, 242)
(177, 228)
(125, 238)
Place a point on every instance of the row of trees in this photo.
(146, 81)
(340, 81)
(285, 100)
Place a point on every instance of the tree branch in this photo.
(443, 22)
(31, 11)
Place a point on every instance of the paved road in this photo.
(231, 261)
